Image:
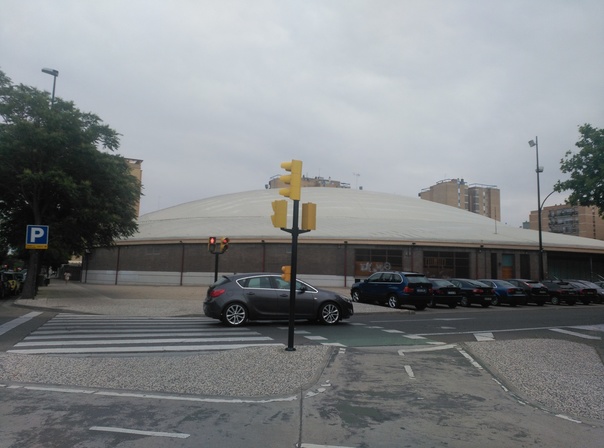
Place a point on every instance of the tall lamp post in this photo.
(54, 73)
(539, 169)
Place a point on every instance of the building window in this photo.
(446, 264)
(367, 261)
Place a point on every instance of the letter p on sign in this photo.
(36, 237)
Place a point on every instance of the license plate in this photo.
(451, 293)
(420, 291)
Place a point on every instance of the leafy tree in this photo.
(57, 169)
(586, 170)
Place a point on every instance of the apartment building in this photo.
(482, 199)
(275, 182)
(576, 220)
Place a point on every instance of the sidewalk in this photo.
(131, 300)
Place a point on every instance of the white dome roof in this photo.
(355, 216)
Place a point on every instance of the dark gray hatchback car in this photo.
(394, 289)
(235, 299)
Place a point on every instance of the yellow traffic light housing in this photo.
(294, 180)
(286, 273)
(224, 244)
(212, 244)
(279, 218)
(309, 216)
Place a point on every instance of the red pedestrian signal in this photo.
(224, 244)
(212, 244)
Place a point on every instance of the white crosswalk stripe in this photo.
(86, 334)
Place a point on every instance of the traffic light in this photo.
(286, 273)
(309, 216)
(294, 180)
(279, 218)
(212, 244)
(224, 244)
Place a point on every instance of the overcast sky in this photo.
(391, 96)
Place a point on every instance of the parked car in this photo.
(587, 294)
(444, 292)
(505, 292)
(235, 299)
(473, 291)
(394, 289)
(599, 289)
(536, 292)
(560, 291)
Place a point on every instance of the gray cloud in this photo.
(214, 95)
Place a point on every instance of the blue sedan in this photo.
(505, 292)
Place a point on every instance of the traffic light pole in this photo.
(216, 255)
(294, 231)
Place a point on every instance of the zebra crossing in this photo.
(92, 334)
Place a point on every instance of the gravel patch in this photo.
(248, 372)
(563, 376)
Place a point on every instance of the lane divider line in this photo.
(139, 432)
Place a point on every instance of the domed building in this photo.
(357, 232)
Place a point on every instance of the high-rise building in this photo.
(135, 166)
(477, 198)
(275, 182)
(574, 220)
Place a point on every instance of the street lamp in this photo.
(54, 73)
(539, 169)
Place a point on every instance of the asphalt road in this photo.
(391, 380)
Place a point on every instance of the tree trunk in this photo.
(30, 288)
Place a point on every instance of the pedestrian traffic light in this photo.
(212, 244)
(286, 273)
(224, 244)
(309, 216)
(294, 180)
(279, 217)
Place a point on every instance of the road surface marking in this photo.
(409, 372)
(18, 321)
(573, 333)
(425, 348)
(481, 337)
(140, 433)
(474, 363)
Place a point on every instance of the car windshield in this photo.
(478, 284)
(441, 282)
(417, 278)
(504, 284)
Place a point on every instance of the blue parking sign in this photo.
(36, 237)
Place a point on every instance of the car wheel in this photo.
(452, 305)
(234, 315)
(555, 301)
(495, 301)
(356, 297)
(420, 306)
(329, 314)
(464, 301)
(392, 301)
